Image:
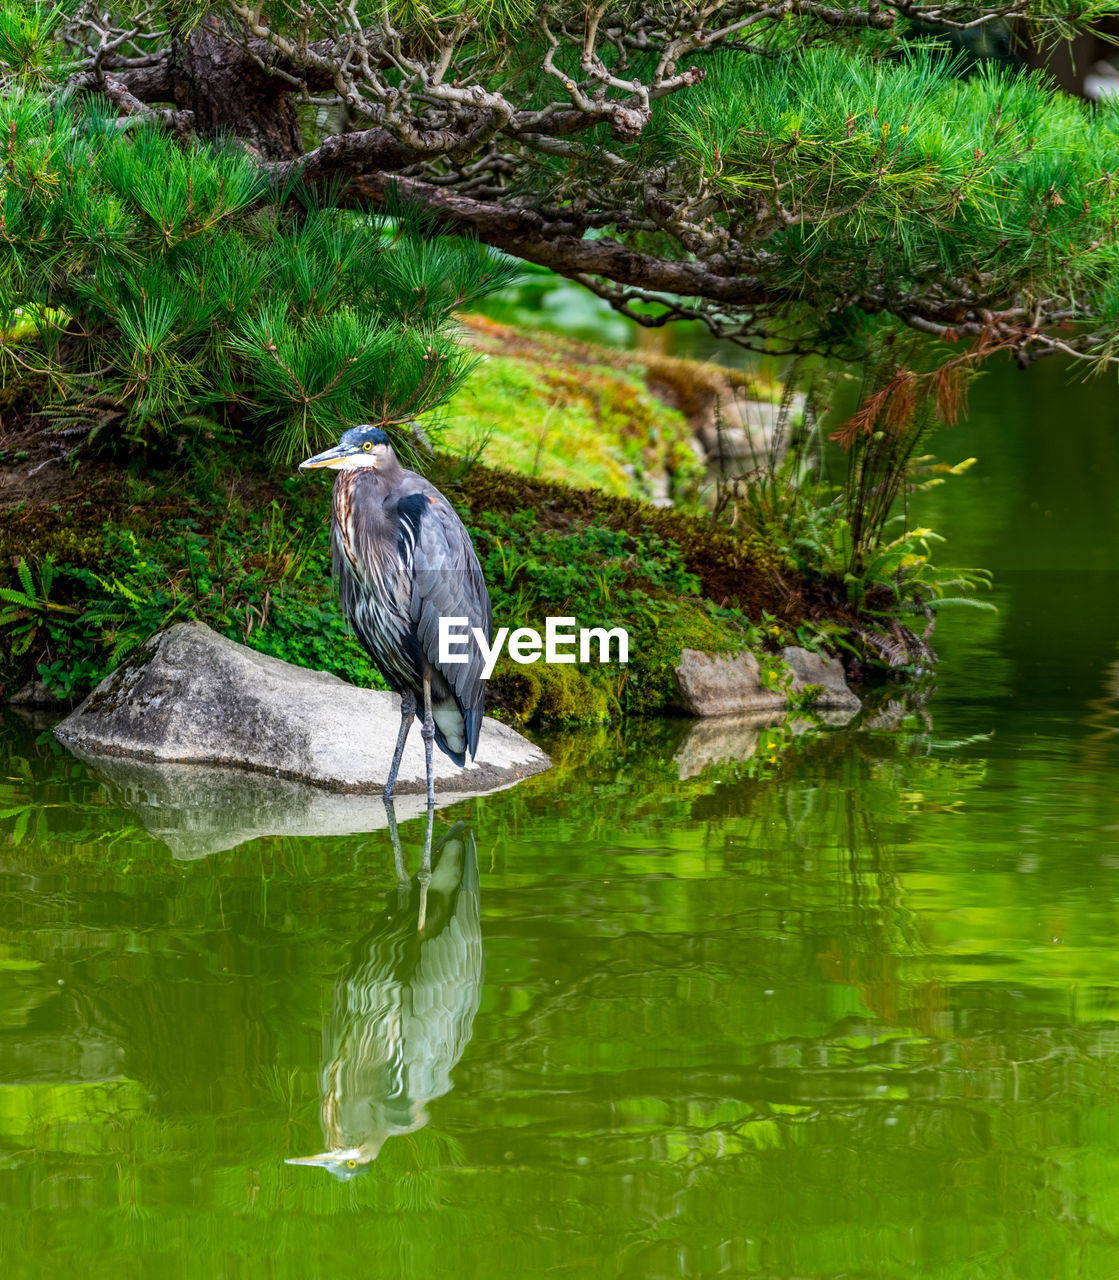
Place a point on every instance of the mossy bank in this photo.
(101, 558)
(99, 552)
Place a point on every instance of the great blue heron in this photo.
(403, 559)
(403, 1009)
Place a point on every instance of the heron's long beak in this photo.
(327, 1159)
(329, 458)
(344, 1164)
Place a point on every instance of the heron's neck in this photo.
(390, 473)
(365, 480)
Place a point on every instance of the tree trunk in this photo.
(232, 97)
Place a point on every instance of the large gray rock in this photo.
(823, 673)
(190, 695)
(722, 684)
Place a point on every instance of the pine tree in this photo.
(164, 283)
(797, 174)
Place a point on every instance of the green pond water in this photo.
(697, 1002)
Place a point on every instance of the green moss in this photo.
(733, 568)
(545, 694)
(586, 426)
(107, 697)
(807, 697)
(18, 396)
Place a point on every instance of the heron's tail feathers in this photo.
(457, 728)
(473, 729)
(450, 729)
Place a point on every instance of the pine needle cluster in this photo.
(157, 284)
(899, 185)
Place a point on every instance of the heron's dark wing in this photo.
(447, 582)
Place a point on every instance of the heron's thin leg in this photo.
(424, 876)
(407, 713)
(402, 878)
(427, 732)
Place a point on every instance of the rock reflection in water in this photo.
(200, 809)
(721, 738)
(718, 739)
(403, 1009)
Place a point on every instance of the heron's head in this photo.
(384, 1121)
(359, 447)
(345, 1163)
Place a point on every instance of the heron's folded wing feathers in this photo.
(447, 582)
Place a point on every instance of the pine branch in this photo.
(774, 169)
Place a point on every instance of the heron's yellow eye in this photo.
(367, 446)
(352, 1164)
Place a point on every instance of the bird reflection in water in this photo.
(404, 1006)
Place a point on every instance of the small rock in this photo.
(810, 668)
(658, 488)
(191, 695)
(730, 442)
(753, 430)
(35, 694)
(723, 684)
(761, 417)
